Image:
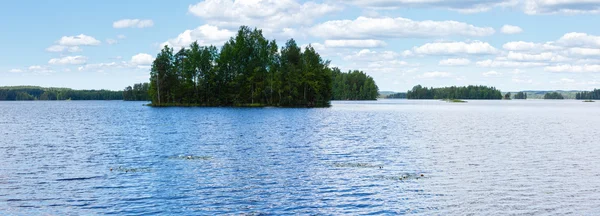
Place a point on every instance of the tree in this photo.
(507, 96)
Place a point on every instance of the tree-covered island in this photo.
(465, 92)
(250, 70)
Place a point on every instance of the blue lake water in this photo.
(482, 157)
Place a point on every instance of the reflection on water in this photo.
(384, 157)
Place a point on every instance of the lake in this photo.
(481, 157)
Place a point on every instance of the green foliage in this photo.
(521, 96)
(396, 96)
(553, 96)
(249, 70)
(590, 95)
(468, 92)
(354, 85)
(38, 93)
(507, 96)
(139, 92)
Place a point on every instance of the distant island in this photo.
(400, 95)
(23, 93)
(588, 95)
(251, 71)
(454, 92)
(553, 96)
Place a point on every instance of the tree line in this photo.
(553, 96)
(588, 95)
(354, 85)
(454, 92)
(400, 95)
(248, 70)
(521, 96)
(12, 93)
(139, 92)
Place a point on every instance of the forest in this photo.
(400, 95)
(521, 96)
(354, 85)
(553, 96)
(248, 70)
(454, 92)
(139, 92)
(588, 95)
(12, 93)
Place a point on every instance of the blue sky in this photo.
(510, 44)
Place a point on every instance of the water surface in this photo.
(481, 157)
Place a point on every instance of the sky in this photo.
(510, 44)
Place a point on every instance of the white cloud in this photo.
(100, 66)
(354, 43)
(491, 73)
(133, 23)
(510, 29)
(435, 74)
(142, 59)
(269, 15)
(509, 64)
(371, 56)
(15, 71)
(561, 6)
(40, 69)
(68, 60)
(111, 41)
(529, 46)
(562, 68)
(61, 48)
(460, 6)
(576, 39)
(121, 36)
(545, 56)
(583, 51)
(453, 48)
(455, 62)
(365, 27)
(79, 40)
(519, 80)
(205, 35)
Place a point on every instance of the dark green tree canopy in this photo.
(553, 96)
(468, 92)
(588, 95)
(354, 85)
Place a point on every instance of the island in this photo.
(588, 95)
(553, 96)
(23, 93)
(251, 71)
(520, 96)
(449, 93)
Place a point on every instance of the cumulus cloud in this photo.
(508, 64)
(40, 69)
(435, 74)
(15, 71)
(354, 43)
(76, 60)
(133, 23)
(205, 35)
(563, 68)
(577, 39)
(510, 29)
(455, 62)
(79, 40)
(387, 27)
(561, 6)
(370, 55)
(529, 46)
(61, 48)
(100, 66)
(142, 59)
(468, 6)
(454, 48)
(491, 73)
(270, 15)
(111, 41)
(545, 56)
